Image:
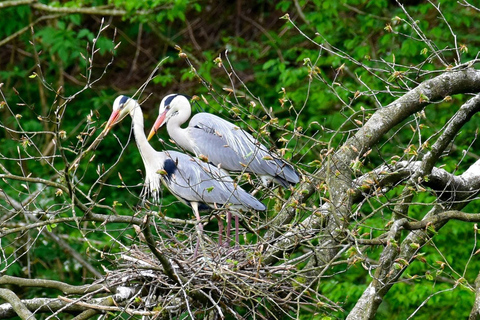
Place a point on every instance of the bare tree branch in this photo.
(16, 304)
(390, 269)
(14, 3)
(475, 314)
(65, 288)
(71, 10)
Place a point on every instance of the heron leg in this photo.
(199, 227)
(229, 227)
(220, 230)
(236, 232)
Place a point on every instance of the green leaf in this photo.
(269, 64)
(85, 33)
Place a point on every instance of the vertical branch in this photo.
(475, 314)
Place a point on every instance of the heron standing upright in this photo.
(200, 185)
(223, 143)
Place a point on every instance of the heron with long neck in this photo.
(200, 185)
(224, 144)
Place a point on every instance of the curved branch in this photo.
(109, 304)
(151, 245)
(115, 302)
(14, 3)
(43, 305)
(461, 117)
(35, 180)
(89, 216)
(382, 121)
(94, 10)
(16, 304)
(64, 287)
(441, 218)
(449, 186)
(371, 298)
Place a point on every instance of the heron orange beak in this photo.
(114, 118)
(158, 123)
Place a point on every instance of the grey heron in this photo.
(200, 185)
(223, 143)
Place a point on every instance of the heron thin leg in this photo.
(199, 227)
(229, 227)
(220, 230)
(237, 242)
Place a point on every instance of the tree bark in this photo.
(475, 314)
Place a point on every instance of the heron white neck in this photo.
(176, 132)
(146, 150)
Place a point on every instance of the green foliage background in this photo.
(272, 58)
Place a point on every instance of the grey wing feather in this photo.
(194, 180)
(235, 149)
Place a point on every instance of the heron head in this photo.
(170, 106)
(121, 107)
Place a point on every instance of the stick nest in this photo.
(217, 282)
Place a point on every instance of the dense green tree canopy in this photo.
(373, 102)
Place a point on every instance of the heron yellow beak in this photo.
(158, 123)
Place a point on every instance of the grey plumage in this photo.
(223, 143)
(192, 181)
